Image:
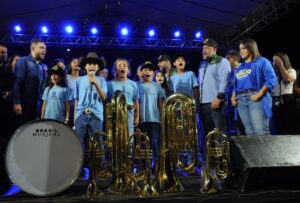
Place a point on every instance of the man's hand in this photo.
(18, 109)
(216, 103)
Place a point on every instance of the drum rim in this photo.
(52, 193)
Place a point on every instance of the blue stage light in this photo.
(151, 33)
(198, 35)
(18, 28)
(177, 34)
(94, 30)
(124, 31)
(44, 29)
(69, 29)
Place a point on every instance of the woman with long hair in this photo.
(284, 103)
(254, 79)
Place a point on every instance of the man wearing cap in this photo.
(89, 96)
(151, 101)
(213, 79)
(165, 65)
(28, 86)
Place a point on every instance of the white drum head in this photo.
(44, 157)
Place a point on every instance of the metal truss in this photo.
(93, 41)
(264, 15)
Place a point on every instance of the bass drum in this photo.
(44, 157)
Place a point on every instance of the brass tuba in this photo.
(112, 156)
(179, 136)
(217, 161)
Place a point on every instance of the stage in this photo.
(191, 194)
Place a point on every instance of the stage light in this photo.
(44, 29)
(151, 33)
(68, 50)
(69, 29)
(94, 30)
(177, 34)
(124, 31)
(198, 35)
(18, 28)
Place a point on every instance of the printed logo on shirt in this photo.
(243, 73)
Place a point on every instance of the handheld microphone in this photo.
(91, 73)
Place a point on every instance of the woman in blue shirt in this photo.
(254, 79)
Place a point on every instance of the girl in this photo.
(57, 97)
(71, 81)
(129, 88)
(254, 79)
(160, 78)
(284, 108)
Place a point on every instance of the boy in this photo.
(151, 101)
(89, 96)
(184, 81)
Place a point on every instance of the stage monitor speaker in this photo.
(265, 162)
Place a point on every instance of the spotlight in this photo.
(198, 35)
(124, 31)
(69, 29)
(94, 30)
(151, 33)
(44, 29)
(18, 28)
(177, 34)
(68, 50)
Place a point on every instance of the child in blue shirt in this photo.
(151, 102)
(57, 97)
(128, 88)
(89, 96)
(184, 81)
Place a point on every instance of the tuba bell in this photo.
(179, 136)
(217, 162)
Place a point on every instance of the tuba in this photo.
(217, 161)
(112, 155)
(179, 136)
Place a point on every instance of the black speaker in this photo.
(265, 162)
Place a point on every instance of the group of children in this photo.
(88, 95)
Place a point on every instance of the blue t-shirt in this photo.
(184, 83)
(128, 88)
(88, 97)
(245, 77)
(56, 99)
(71, 81)
(150, 93)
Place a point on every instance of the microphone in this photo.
(91, 73)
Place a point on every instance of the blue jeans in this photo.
(154, 133)
(85, 120)
(252, 115)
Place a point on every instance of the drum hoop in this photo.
(13, 137)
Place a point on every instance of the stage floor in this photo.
(191, 194)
